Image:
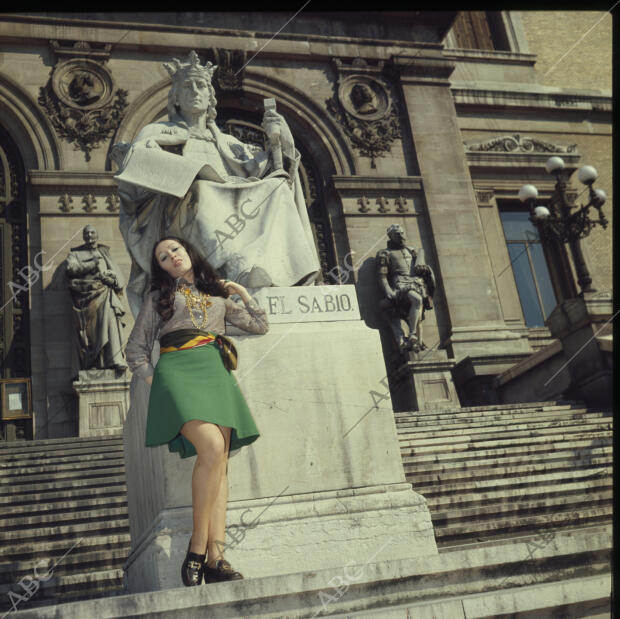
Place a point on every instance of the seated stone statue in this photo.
(408, 286)
(242, 207)
(95, 283)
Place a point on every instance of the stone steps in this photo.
(98, 481)
(60, 456)
(486, 469)
(508, 456)
(32, 498)
(78, 586)
(15, 474)
(49, 447)
(492, 427)
(60, 506)
(469, 420)
(488, 496)
(63, 513)
(15, 484)
(474, 437)
(494, 473)
(32, 548)
(435, 446)
(531, 577)
(73, 563)
(23, 523)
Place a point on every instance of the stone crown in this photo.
(192, 67)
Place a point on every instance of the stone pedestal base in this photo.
(581, 324)
(328, 458)
(426, 383)
(293, 533)
(103, 401)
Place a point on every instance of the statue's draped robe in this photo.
(97, 311)
(253, 228)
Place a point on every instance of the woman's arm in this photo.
(142, 338)
(252, 317)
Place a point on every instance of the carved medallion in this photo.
(81, 103)
(364, 108)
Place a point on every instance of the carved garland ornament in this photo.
(517, 143)
(364, 108)
(81, 104)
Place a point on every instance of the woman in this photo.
(195, 404)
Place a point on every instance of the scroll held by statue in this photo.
(158, 170)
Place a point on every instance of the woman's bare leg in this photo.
(210, 446)
(217, 522)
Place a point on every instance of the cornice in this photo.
(138, 35)
(527, 96)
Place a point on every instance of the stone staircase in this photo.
(499, 472)
(520, 497)
(64, 529)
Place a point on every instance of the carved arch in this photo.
(29, 128)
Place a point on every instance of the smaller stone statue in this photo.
(408, 285)
(95, 283)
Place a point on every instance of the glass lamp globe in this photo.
(541, 212)
(601, 197)
(554, 164)
(587, 174)
(528, 192)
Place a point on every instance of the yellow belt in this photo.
(199, 340)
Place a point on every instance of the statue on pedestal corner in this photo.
(95, 283)
(408, 285)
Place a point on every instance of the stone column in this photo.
(476, 323)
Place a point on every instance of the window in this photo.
(480, 30)
(529, 267)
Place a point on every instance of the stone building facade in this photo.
(461, 110)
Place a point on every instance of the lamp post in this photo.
(558, 222)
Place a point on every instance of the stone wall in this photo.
(573, 48)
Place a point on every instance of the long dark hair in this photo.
(206, 278)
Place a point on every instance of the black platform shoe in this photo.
(191, 570)
(221, 572)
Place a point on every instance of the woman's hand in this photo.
(234, 288)
(149, 380)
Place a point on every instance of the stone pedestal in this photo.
(581, 324)
(103, 401)
(323, 484)
(424, 383)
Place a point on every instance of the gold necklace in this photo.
(198, 302)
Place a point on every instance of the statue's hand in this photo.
(149, 143)
(274, 126)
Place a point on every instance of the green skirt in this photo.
(194, 384)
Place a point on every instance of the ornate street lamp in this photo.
(557, 222)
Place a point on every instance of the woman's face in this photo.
(193, 95)
(174, 259)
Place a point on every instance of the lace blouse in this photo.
(150, 326)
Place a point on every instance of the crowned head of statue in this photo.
(192, 92)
